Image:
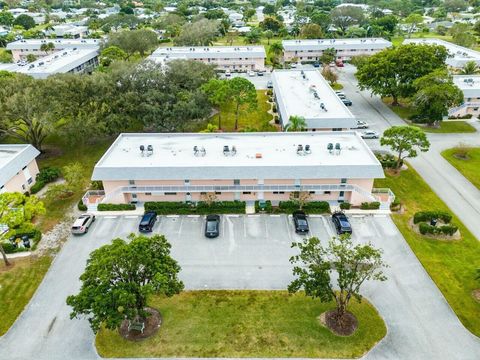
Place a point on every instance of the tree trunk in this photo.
(236, 116)
(399, 160)
(4, 255)
(395, 100)
(219, 119)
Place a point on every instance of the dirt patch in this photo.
(345, 327)
(415, 228)
(152, 324)
(476, 294)
(461, 156)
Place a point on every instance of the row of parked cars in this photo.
(339, 219)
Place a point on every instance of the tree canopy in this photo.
(243, 93)
(133, 41)
(199, 33)
(120, 277)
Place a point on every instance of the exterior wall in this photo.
(314, 55)
(470, 106)
(237, 64)
(21, 182)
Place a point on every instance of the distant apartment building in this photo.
(18, 167)
(470, 86)
(312, 49)
(459, 55)
(21, 48)
(68, 31)
(78, 61)
(232, 58)
(307, 94)
(330, 166)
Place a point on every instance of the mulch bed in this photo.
(348, 326)
(152, 324)
(416, 229)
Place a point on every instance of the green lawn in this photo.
(470, 168)
(257, 119)
(406, 111)
(246, 324)
(451, 265)
(17, 285)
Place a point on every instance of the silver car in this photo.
(370, 134)
(83, 222)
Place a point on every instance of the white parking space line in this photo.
(110, 217)
(131, 217)
(173, 216)
(193, 216)
(253, 215)
(274, 215)
(380, 216)
(232, 216)
(315, 216)
(328, 228)
(180, 226)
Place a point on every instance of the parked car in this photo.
(228, 73)
(269, 85)
(341, 96)
(316, 64)
(361, 125)
(83, 222)
(370, 134)
(260, 73)
(347, 102)
(293, 65)
(342, 225)
(251, 73)
(301, 223)
(147, 222)
(339, 63)
(212, 226)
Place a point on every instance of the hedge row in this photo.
(201, 208)
(312, 207)
(267, 207)
(375, 205)
(426, 216)
(345, 206)
(115, 207)
(435, 230)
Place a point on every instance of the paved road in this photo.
(252, 253)
(452, 187)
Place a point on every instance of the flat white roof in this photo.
(209, 52)
(469, 84)
(28, 44)
(13, 158)
(338, 44)
(258, 156)
(59, 62)
(306, 93)
(459, 54)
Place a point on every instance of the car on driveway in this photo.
(83, 222)
(269, 84)
(251, 73)
(347, 102)
(342, 225)
(147, 222)
(212, 226)
(260, 73)
(300, 222)
(361, 125)
(370, 134)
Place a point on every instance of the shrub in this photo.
(169, 207)
(276, 119)
(48, 174)
(311, 207)
(345, 206)
(274, 108)
(203, 208)
(81, 206)
(96, 185)
(395, 205)
(221, 207)
(427, 229)
(269, 92)
(426, 216)
(37, 187)
(267, 207)
(9, 248)
(116, 207)
(374, 205)
(388, 161)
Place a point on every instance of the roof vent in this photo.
(307, 149)
(199, 151)
(149, 150)
(142, 150)
(338, 148)
(226, 150)
(322, 106)
(258, 156)
(330, 148)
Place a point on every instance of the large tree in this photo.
(25, 21)
(16, 210)
(120, 277)
(272, 24)
(296, 123)
(311, 31)
(199, 33)
(346, 16)
(413, 21)
(436, 93)
(219, 93)
(133, 41)
(243, 93)
(391, 72)
(405, 141)
(353, 265)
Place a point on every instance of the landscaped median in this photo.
(452, 264)
(466, 160)
(246, 324)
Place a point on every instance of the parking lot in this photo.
(252, 252)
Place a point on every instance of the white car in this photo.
(293, 65)
(370, 134)
(251, 73)
(228, 73)
(81, 225)
(361, 125)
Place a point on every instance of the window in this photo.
(342, 193)
(311, 192)
(343, 181)
(30, 180)
(170, 193)
(148, 193)
(203, 193)
(327, 192)
(236, 182)
(337, 129)
(247, 193)
(218, 193)
(279, 192)
(131, 182)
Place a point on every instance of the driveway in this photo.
(251, 253)
(451, 186)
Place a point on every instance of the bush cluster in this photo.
(287, 207)
(116, 207)
(269, 92)
(395, 205)
(426, 216)
(45, 176)
(274, 108)
(267, 207)
(374, 205)
(31, 231)
(81, 206)
(435, 230)
(345, 206)
(201, 208)
(466, 116)
(388, 161)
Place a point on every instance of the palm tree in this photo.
(276, 49)
(469, 68)
(296, 123)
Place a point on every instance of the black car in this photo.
(347, 102)
(147, 222)
(342, 225)
(301, 223)
(212, 226)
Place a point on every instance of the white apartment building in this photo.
(233, 58)
(66, 61)
(459, 55)
(307, 94)
(21, 48)
(470, 86)
(331, 166)
(18, 167)
(68, 31)
(311, 49)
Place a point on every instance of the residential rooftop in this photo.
(13, 158)
(58, 62)
(257, 156)
(209, 52)
(306, 93)
(469, 84)
(28, 44)
(338, 44)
